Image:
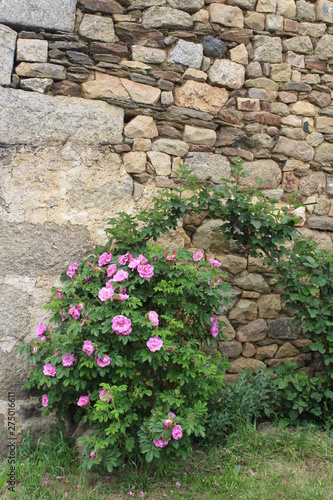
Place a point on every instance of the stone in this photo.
(298, 44)
(204, 235)
(324, 152)
(190, 6)
(290, 25)
(266, 351)
(324, 124)
(161, 162)
(140, 144)
(226, 15)
(255, 21)
(227, 330)
(253, 331)
(296, 149)
(103, 6)
(290, 182)
(195, 74)
(267, 49)
(64, 87)
(252, 281)
(321, 99)
(40, 85)
(148, 55)
(323, 239)
(14, 303)
(227, 73)
(7, 53)
(313, 30)
(51, 247)
(291, 121)
(97, 28)
(305, 11)
(295, 60)
(83, 121)
(163, 17)
(141, 126)
(245, 4)
(245, 104)
(329, 185)
(262, 83)
(287, 350)
(41, 70)
(244, 310)
(314, 183)
(266, 6)
(274, 22)
(230, 348)
(294, 86)
(198, 135)
(39, 14)
(323, 206)
(171, 147)
(248, 350)
(120, 89)
(324, 11)
(253, 70)
(280, 72)
(209, 166)
(135, 162)
(303, 108)
(232, 263)
(287, 97)
(213, 47)
(245, 364)
(286, 8)
(322, 223)
(266, 170)
(167, 98)
(239, 54)
(31, 50)
(281, 109)
(187, 54)
(200, 96)
(314, 139)
(269, 306)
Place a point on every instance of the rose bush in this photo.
(131, 351)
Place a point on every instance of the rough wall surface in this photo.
(100, 104)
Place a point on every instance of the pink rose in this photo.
(124, 258)
(105, 294)
(40, 330)
(121, 325)
(134, 263)
(120, 276)
(214, 263)
(153, 317)
(170, 258)
(121, 296)
(159, 443)
(88, 348)
(49, 370)
(74, 312)
(89, 264)
(45, 401)
(35, 350)
(63, 315)
(167, 423)
(171, 414)
(214, 331)
(146, 271)
(79, 307)
(83, 401)
(154, 344)
(197, 256)
(67, 360)
(104, 259)
(177, 432)
(59, 294)
(92, 455)
(102, 363)
(104, 395)
(57, 352)
(72, 270)
(111, 270)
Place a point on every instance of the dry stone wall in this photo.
(101, 99)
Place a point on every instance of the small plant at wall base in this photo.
(130, 352)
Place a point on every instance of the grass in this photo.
(261, 465)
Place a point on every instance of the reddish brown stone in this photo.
(290, 182)
(287, 97)
(172, 76)
(135, 34)
(103, 6)
(315, 63)
(290, 25)
(229, 117)
(201, 148)
(243, 153)
(116, 49)
(65, 87)
(265, 118)
(246, 104)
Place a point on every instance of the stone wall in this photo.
(101, 99)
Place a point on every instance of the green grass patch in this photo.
(267, 464)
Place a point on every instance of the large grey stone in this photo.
(163, 17)
(252, 281)
(171, 147)
(213, 47)
(48, 248)
(190, 6)
(41, 70)
(298, 44)
(268, 171)
(97, 28)
(14, 303)
(324, 46)
(253, 331)
(324, 153)
(186, 53)
(300, 150)
(267, 49)
(232, 17)
(51, 15)
(7, 51)
(31, 50)
(28, 117)
(13, 374)
(209, 166)
(283, 328)
(227, 73)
